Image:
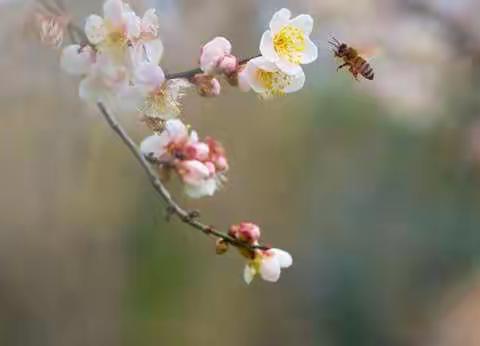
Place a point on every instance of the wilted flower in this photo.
(266, 79)
(207, 85)
(287, 44)
(52, 29)
(216, 57)
(268, 264)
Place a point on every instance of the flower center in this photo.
(160, 104)
(289, 42)
(116, 38)
(274, 82)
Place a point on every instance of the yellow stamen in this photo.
(289, 43)
(274, 82)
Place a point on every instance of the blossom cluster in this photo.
(265, 262)
(119, 64)
(201, 165)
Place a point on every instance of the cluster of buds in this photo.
(266, 262)
(201, 165)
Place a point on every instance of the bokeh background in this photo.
(372, 186)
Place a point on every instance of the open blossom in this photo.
(198, 163)
(103, 79)
(287, 44)
(121, 33)
(268, 264)
(216, 57)
(266, 79)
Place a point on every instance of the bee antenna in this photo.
(335, 40)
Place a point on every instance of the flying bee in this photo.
(351, 58)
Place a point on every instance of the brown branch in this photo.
(190, 73)
(173, 208)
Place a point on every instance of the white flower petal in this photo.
(266, 47)
(248, 274)
(149, 75)
(95, 29)
(270, 269)
(207, 188)
(279, 20)
(113, 10)
(76, 60)
(132, 23)
(283, 257)
(304, 22)
(251, 76)
(288, 67)
(310, 53)
(154, 51)
(296, 83)
(130, 99)
(176, 129)
(154, 146)
(89, 90)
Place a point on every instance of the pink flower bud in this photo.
(197, 151)
(245, 231)
(212, 53)
(228, 64)
(221, 164)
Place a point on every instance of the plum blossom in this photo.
(153, 95)
(120, 33)
(287, 44)
(268, 264)
(266, 79)
(216, 57)
(201, 165)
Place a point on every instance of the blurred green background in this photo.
(372, 186)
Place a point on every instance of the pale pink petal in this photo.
(150, 75)
(132, 24)
(154, 51)
(177, 130)
(95, 29)
(207, 188)
(113, 10)
(76, 60)
(279, 20)
(304, 22)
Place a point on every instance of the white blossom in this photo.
(266, 79)
(287, 44)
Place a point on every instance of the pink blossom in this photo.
(216, 58)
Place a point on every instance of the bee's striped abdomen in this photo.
(367, 71)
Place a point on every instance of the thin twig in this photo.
(172, 207)
(190, 73)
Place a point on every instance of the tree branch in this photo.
(172, 207)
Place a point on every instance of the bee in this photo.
(352, 58)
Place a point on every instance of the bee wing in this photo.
(370, 52)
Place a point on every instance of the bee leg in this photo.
(342, 66)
